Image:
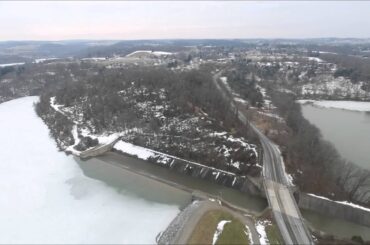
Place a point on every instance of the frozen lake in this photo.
(46, 198)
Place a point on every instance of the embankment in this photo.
(246, 184)
(229, 179)
(182, 227)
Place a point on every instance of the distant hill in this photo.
(23, 51)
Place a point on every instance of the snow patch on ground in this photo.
(227, 86)
(262, 90)
(227, 151)
(11, 64)
(261, 229)
(103, 139)
(288, 177)
(95, 59)
(76, 140)
(284, 90)
(220, 228)
(339, 104)
(248, 233)
(215, 200)
(37, 61)
(330, 86)
(236, 165)
(146, 153)
(271, 115)
(55, 106)
(132, 149)
(240, 100)
(318, 60)
(138, 151)
(267, 103)
(156, 53)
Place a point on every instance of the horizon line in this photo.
(169, 39)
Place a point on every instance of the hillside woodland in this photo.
(179, 113)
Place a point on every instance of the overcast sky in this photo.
(161, 20)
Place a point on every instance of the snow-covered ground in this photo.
(315, 59)
(134, 150)
(330, 86)
(228, 150)
(261, 229)
(248, 233)
(155, 53)
(339, 104)
(45, 197)
(220, 228)
(11, 64)
(271, 115)
(37, 61)
(95, 58)
(145, 154)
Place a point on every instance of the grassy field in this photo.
(273, 234)
(233, 232)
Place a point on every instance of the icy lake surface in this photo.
(46, 198)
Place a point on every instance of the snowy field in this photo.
(155, 53)
(11, 64)
(339, 104)
(45, 198)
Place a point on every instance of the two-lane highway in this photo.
(284, 207)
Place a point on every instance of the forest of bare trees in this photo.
(113, 100)
(321, 169)
(353, 67)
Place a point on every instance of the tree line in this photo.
(322, 170)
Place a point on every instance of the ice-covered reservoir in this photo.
(46, 198)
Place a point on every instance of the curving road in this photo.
(284, 207)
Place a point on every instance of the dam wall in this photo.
(334, 209)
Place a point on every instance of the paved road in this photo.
(282, 203)
(284, 207)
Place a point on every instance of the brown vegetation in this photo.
(317, 166)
